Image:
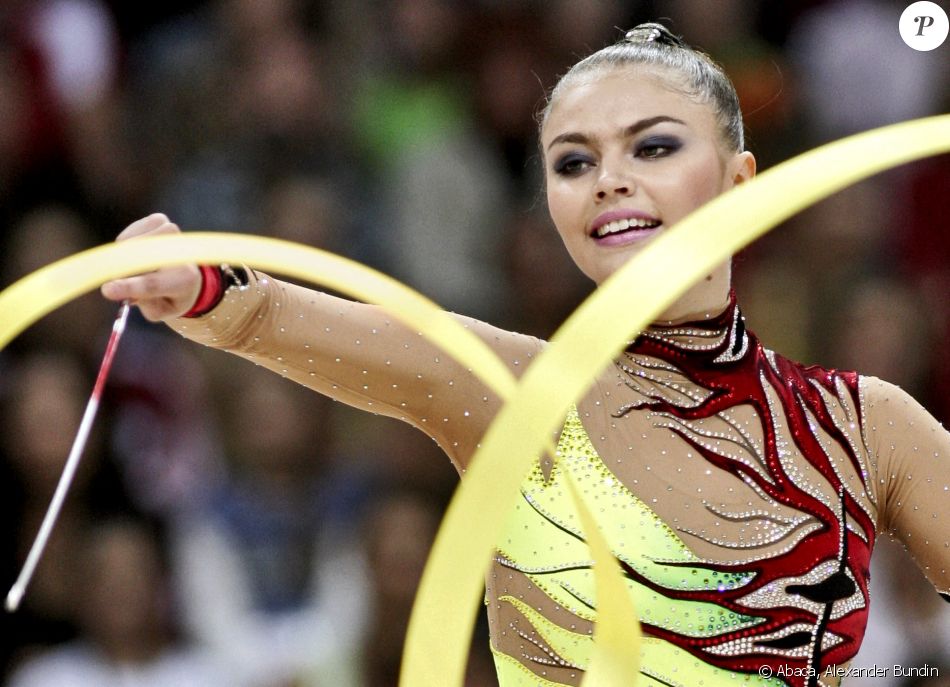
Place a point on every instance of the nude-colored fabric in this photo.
(358, 354)
(891, 457)
(912, 453)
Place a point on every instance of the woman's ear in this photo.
(741, 167)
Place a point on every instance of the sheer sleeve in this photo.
(912, 453)
(358, 354)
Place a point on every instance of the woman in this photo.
(754, 487)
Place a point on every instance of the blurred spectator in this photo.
(78, 47)
(794, 283)
(45, 393)
(512, 63)
(127, 634)
(396, 562)
(543, 284)
(440, 189)
(162, 432)
(577, 27)
(43, 235)
(924, 244)
(66, 119)
(757, 68)
(906, 627)
(903, 334)
(305, 209)
(855, 71)
(16, 121)
(231, 97)
(270, 568)
(312, 209)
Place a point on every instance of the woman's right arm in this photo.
(350, 351)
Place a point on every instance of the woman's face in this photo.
(626, 157)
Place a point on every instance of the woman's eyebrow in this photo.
(569, 137)
(632, 130)
(636, 128)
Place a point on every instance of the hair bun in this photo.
(653, 33)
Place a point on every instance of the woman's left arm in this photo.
(912, 454)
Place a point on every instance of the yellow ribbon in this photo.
(41, 292)
(441, 625)
(443, 616)
(616, 659)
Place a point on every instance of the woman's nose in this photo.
(611, 183)
(619, 190)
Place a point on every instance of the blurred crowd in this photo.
(229, 528)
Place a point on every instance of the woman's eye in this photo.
(651, 150)
(654, 151)
(571, 165)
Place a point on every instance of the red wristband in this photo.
(212, 291)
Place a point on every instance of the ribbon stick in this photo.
(72, 462)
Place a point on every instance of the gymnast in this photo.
(740, 492)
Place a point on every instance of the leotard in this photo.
(741, 492)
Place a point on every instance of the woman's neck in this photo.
(702, 301)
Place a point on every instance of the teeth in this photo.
(624, 224)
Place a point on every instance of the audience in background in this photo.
(270, 566)
(127, 638)
(399, 134)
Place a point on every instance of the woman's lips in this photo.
(612, 221)
(623, 226)
(627, 236)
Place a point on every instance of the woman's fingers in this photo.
(168, 282)
(154, 224)
(165, 293)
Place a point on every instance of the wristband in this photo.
(211, 293)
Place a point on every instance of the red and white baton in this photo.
(79, 444)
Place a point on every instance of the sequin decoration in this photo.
(790, 589)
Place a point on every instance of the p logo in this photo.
(924, 25)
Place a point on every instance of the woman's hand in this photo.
(165, 293)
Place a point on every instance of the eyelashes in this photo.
(657, 146)
(572, 164)
(575, 163)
